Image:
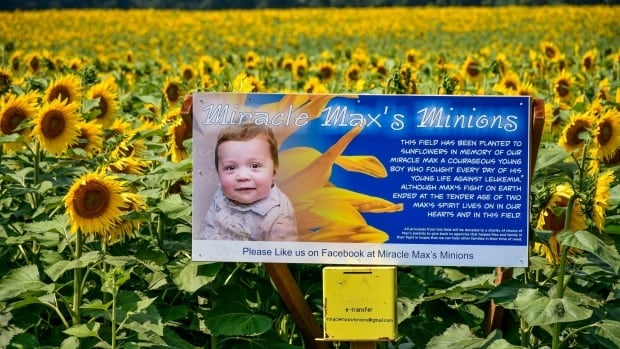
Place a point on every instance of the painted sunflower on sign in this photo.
(57, 127)
(324, 211)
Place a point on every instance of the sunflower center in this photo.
(60, 91)
(562, 88)
(91, 200)
(5, 83)
(550, 52)
(172, 92)
(103, 107)
(511, 85)
(604, 134)
(53, 124)
(587, 63)
(12, 118)
(473, 69)
(572, 135)
(34, 64)
(180, 134)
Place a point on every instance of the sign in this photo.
(359, 303)
(372, 179)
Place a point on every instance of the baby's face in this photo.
(246, 170)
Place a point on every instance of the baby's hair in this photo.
(245, 132)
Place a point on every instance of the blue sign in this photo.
(361, 179)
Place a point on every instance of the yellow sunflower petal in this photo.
(361, 202)
(324, 212)
(366, 164)
(318, 172)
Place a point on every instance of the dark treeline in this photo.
(249, 4)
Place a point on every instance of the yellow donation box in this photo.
(359, 303)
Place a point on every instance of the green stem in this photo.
(77, 281)
(113, 320)
(560, 287)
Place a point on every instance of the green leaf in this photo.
(57, 269)
(609, 330)
(586, 241)
(550, 156)
(21, 280)
(405, 307)
(174, 207)
(189, 276)
(84, 330)
(538, 309)
(459, 336)
(237, 324)
(456, 337)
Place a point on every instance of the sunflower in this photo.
(502, 64)
(412, 56)
(300, 68)
(608, 135)
(207, 82)
(550, 220)
(188, 72)
(353, 73)
(95, 203)
(314, 85)
(90, 138)
(57, 126)
(66, 89)
(550, 51)
(14, 111)
(252, 60)
(509, 83)
(33, 61)
(563, 85)
(380, 67)
(128, 147)
(472, 69)
(173, 91)
(326, 71)
(241, 83)
(604, 88)
(601, 198)
(75, 64)
(106, 94)
(257, 84)
(15, 61)
(360, 56)
(129, 165)
(179, 131)
(572, 138)
(125, 227)
(588, 61)
(526, 88)
(209, 65)
(287, 63)
(554, 121)
(5, 80)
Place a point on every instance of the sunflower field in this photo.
(96, 171)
